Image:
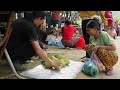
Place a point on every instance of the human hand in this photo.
(110, 19)
(56, 64)
(87, 48)
(43, 27)
(55, 29)
(95, 48)
(51, 26)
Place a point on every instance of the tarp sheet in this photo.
(68, 72)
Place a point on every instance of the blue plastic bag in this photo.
(60, 45)
(90, 68)
(54, 42)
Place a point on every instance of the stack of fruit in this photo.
(63, 60)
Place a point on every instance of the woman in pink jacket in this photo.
(110, 28)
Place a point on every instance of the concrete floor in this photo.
(73, 54)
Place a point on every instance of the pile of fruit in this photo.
(63, 60)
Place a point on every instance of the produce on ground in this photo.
(63, 60)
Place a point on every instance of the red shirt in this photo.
(68, 32)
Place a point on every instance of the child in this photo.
(103, 45)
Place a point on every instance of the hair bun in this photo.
(97, 20)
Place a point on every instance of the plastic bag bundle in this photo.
(59, 44)
(51, 41)
(55, 42)
(80, 43)
(90, 68)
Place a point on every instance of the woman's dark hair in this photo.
(94, 24)
(35, 14)
(97, 20)
(67, 22)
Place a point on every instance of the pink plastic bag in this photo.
(97, 61)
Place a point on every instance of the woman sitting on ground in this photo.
(68, 32)
(103, 45)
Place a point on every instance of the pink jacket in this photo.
(108, 14)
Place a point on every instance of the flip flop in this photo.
(83, 57)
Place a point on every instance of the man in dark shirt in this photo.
(23, 42)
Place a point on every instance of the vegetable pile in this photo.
(63, 60)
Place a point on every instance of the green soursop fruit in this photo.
(59, 56)
(46, 65)
(67, 61)
(42, 62)
(57, 68)
(62, 61)
(53, 58)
